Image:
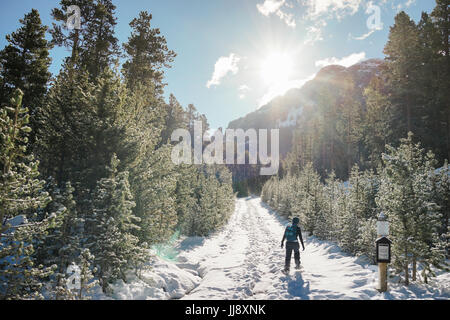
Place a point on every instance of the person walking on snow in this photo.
(291, 235)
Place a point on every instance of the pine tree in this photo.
(86, 124)
(111, 228)
(353, 214)
(61, 246)
(328, 220)
(67, 118)
(87, 280)
(441, 16)
(147, 54)
(405, 196)
(186, 200)
(175, 118)
(429, 253)
(94, 46)
(402, 62)
(157, 197)
(367, 237)
(431, 107)
(441, 196)
(21, 194)
(377, 121)
(308, 202)
(349, 123)
(24, 64)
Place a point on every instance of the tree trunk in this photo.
(448, 134)
(75, 46)
(406, 268)
(408, 117)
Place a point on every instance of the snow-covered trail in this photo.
(244, 261)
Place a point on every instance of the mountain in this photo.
(297, 105)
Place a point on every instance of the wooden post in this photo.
(383, 247)
(382, 277)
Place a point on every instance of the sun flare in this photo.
(276, 68)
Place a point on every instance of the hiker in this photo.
(291, 234)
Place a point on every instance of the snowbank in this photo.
(164, 280)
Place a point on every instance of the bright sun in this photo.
(276, 68)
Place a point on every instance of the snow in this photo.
(291, 119)
(244, 261)
(438, 170)
(17, 221)
(164, 281)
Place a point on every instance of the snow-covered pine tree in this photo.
(111, 228)
(208, 212)
(327, 221)
(158, 208)
(271, 190)
(87, 280)
(441, 196)
(285, 197)
(359, 211)
(367, 237)
(224, 197)
(429, 253)
(405, 196)
(227, 200)
(185, 194)
(296, 195)
(275, 194)
(267, 190)
(310, 197)
(21, 193)
(352, 215)
(213, 201)
(61, 246)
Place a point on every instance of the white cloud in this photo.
(288, 18)
(345, 62)
(314, 33)
(364, 36)
(243, 91)
(275, 7)
(319, 8)
(407, 4)
(222, 67)
(270, 6)
(402, 5)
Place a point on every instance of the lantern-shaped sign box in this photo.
(382, 225)
(383, 250)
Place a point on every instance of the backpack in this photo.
(291, 233)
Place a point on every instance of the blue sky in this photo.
(226, 47)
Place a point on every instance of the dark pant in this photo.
(296, 248)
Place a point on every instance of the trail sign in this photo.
(383, 245)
